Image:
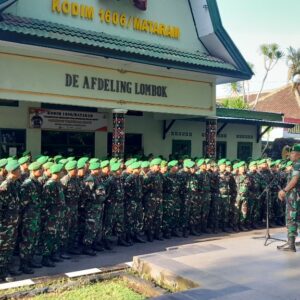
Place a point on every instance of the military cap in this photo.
(23, 160)
(289, 163)
(135, 165)
(70, 158)
(145, 164)
(188, 163)
(200, 162)
(262, 161)
(228, 163)
(83, 160)
(63, 161)
(155, 162)
(252, 163)
(48, 165)
(26, 153)
(80, 164)
(163, 163)
(113, 161)
(51, 159)
(115, 167)
(12, 165)
(273, 164)
(71, 165)
(56, 168)
(222, 162)
(10, 158)
(242, 164)
(129, 162)
(235, 166)
(94, 166)
(296, 148)
(278, 161)
(104, 164)
(207, 160)
(92, 160)
(173, 163)
(35, 166)
(3, 162)
(42, 159)
(57, 158)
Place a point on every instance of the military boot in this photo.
(107, 244)
(177, 233)
(150, 237)
(25, 268)
(74, 250)
(64, 254)
(87, 250)
(4, 276)
(289, 246)
(34, 264)
(47, 262)
(139, 239)
(122, 242)
(56, 258)
(14, 272)
(185, 233)
(159, 236)
(97, 247)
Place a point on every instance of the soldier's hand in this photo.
(281, 195)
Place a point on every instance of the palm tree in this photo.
(293, 61)
(271, 54)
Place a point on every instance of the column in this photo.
(118, 134)
(211, 137)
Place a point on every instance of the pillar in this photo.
(211, 137)
(118, 133)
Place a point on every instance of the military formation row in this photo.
(55, 207)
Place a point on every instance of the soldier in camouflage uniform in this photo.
(24, 163)
(52, 217)
(227, 187)
(153, 187)
(9, 217)
(291, 194)
(30, 216)
(72, 193)
(94, 206)
(134, 214)
(3, 172)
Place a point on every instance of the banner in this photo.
(67, 120)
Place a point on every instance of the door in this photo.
(244, 151)
(181, 148)
(221, 150)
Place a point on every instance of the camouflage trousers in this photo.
(243, 211)
(139, 220)
(153, 215)
(134, 216)
(70, 225)
(213, 218)
(206, 200)
(196, 208)
(186, 211)
(292, 213)
(119, 219)
(168, 213)
(8, 238)
(233, 212)
(92, 223)
(29, 234)
(224, 211)
(108, 219)
(175, 222)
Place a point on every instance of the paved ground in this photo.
(232, 268)
(125, 254)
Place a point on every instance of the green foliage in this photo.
(293, 59)
(237, 103)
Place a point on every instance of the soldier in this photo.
(3, 172)
(46, 173)
(30, 216)
(153, 201)
(93, 207)
(53, 217)
(145, 168)
(227, 188)
(72, 192)
(134, 212)
(24, 163)
(290, 194)
(9, 216)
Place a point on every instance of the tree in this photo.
(237, 103)
(271, 54)
(293, 61)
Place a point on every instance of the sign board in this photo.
(67, 120)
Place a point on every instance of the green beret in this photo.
(104, 164)
(71, 165)
(222, 162)
(253, 163)
(113, 161)
(63, 161)
(207, 161)
(235, 166)
(296, 148)
(129, 162)
(3, 162)
(200, 162)
(42, 160)
(57, 158)
(173, 163)
(70, 158)
(228, 163)
(83, 160)
(189, 163)
(163, 163)
(242, 164)
(56, 168)
(289, 163)
(93, 160)
(278, 161)
(155, 162)
(115, 167)
(23, 160)
(51, 159)
(80, 164)
(26, 153)
(48, 165)
(273, 164)
(262, 161)
(12, 165)
(145, 164)
(94, 166)
(135, 165)
(35, 166)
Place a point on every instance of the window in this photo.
(68, 143)
(181, 148)
(221, 150)
(11, 103)
(12, 141)
(244, 150)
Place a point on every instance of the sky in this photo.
(251, 23)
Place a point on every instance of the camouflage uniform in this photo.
(30, 216)
(9, 219)
(215, 201)
(196, 203)
(153, 203)
(72, 193)
(53, 214)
